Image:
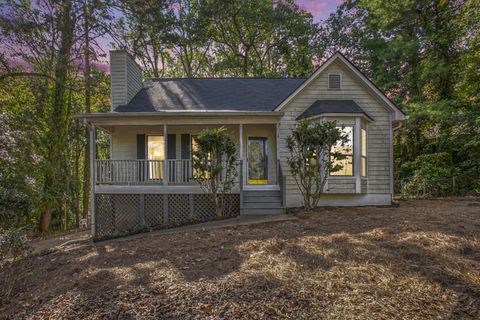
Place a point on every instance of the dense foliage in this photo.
(424, 53)
(313, 157)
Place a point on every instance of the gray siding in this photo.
(378, 143)
(134, 78)
(341, 185)
(125, 77)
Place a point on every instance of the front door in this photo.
(257, 157)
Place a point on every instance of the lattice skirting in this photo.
(121, 214)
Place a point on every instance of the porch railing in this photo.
(128, 171)
(178, 171)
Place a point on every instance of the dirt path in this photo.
(60, 241)
(418, 261)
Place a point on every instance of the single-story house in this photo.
(148, 178)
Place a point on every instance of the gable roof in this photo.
(399, 114)
(212, 94)
(320, 107)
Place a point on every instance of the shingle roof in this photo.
(238, 94)
(332, 106)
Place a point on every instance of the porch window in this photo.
(364, 152)
(347, 151)
(155, 151)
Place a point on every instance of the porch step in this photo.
(261, 193)
(260, 199)
(262, 202)
(260, 211)
(269, 204)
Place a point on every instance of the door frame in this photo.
(266, 151)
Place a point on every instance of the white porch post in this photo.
(165, 155)
(240, 138)
(357, 159)
(277, 152)
(93, 178)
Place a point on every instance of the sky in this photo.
(320, 9)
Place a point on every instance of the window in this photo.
(155, 150)
(334, 81)
(346, 150)
(364, 153)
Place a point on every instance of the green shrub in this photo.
(14, 207)
(13, 247)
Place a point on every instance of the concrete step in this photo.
(261, 193)
(276, 204)
(261, 199)
(259, 211)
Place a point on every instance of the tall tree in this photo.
(260, 38)
(57, 133)
(145, 30)
(96, 17)
(42, 53)
(190, 42)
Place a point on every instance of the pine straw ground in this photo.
(418, 261)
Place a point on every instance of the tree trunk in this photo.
(44, 220)
(86, 74)
(54, 186)
(77, 175)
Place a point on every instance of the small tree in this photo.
(214, 164)
(313, 158)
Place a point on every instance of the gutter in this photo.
(176, 113)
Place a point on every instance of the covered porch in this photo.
(147, 181)
(159, 156)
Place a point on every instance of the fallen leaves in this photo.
(419, 261)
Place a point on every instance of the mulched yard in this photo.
(418, 261)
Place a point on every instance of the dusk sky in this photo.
(320, 9)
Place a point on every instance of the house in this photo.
(148, 179)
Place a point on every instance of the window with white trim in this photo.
(346, 149)
(364, 153)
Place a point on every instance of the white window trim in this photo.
(354, 133)
(356, 154)
(365, 127)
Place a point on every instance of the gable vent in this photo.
(334, 81)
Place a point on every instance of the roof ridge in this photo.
(227, 78)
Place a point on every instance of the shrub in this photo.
(214, 164)
(13, 247)
(312, 157)
(429, 173)
(14, 207)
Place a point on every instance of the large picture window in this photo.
(364, 153)
(347, 151)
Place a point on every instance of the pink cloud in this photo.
(320, 9)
